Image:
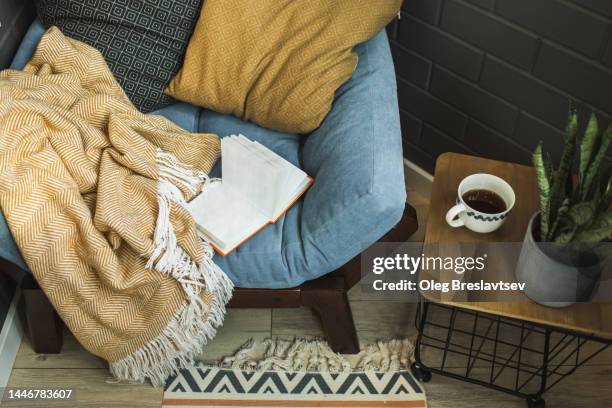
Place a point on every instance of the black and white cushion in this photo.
(143, 41)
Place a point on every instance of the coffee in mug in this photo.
(483, 203)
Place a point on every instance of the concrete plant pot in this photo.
(553, 278)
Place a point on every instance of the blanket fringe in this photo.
(316, 355)
(195, 322)
(172, 169)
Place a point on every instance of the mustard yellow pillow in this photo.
(277, 63)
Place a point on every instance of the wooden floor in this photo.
(74, 368)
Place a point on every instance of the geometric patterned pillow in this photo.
(142, 41)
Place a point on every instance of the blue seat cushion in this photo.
(355, 158)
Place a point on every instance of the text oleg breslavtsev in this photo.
(445, 287)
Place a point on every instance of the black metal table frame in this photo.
(559, 358)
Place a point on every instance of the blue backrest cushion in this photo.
(143, 41)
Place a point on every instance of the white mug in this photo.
(473, 219)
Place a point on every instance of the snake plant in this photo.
(576, 200)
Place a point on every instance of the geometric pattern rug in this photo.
(206, 386)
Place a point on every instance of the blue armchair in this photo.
(358, 196)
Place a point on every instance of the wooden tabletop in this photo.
(451, 168)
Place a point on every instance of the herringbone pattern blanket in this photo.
(94, 193)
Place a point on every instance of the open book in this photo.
(257, 187)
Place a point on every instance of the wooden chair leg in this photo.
(328, 298)
(44, 325)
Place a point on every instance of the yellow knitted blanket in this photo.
(94, 193)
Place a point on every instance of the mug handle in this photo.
(452, 213)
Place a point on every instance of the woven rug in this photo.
(300, 373)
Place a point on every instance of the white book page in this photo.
(289, 198)
(293, 174)
(280, 183)
(236, 162)
(259, 177)
(288, 186)
(224, 216)
(229, 160)
(294, 181)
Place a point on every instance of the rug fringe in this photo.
(316, 355)
(195, 322)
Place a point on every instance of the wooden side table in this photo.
(517, 347)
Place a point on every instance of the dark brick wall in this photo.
(494, 77)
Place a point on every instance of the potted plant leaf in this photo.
(561, 258)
